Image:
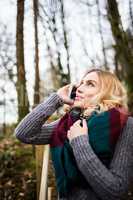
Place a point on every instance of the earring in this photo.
(98, 107)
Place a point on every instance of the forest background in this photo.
(43, 46)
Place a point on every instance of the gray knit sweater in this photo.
(105, 184)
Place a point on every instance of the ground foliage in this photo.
(17, 170)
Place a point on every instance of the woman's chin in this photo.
(78, 104)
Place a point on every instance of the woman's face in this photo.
(87, 89)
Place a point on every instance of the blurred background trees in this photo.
(66, 37)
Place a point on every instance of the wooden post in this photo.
(39, 150)
(44, 175)
(49, 193)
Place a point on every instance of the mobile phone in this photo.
(72, 94)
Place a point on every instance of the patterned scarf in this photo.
(104, 130)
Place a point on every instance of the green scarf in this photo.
(104, 130)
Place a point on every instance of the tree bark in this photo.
(101, 35)
(122, 48)
(37, 76)
(131, 12)
(22, 94)
(68, 76)
(37, 149)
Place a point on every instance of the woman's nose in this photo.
(80, 89)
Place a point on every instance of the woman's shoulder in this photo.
(127, 133)
(128, 129)
(130, 121)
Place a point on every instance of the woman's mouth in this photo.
(77, 98)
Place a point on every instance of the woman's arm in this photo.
(31, 129)
(110, 183)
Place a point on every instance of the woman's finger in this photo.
(78, 121)
(68, 134)
(84, 123)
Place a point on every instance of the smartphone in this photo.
(76, 111)
(72, 93)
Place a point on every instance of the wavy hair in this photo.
(112, 92)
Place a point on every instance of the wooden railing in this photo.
(45, 192)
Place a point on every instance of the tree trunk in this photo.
(131, 12)
(58, 68)
(68, 76)
(122, 48)
(101, 36)
(22, 94)
(37, 76)
(38, 149)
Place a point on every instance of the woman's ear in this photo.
(98, 107)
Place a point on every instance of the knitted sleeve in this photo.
(31, 129)
(112, 183)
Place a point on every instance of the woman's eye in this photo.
(91, 84)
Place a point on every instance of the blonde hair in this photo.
(112, 92)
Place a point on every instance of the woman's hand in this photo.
(77, 130)
(63, 92)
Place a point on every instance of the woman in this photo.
(91, 144)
